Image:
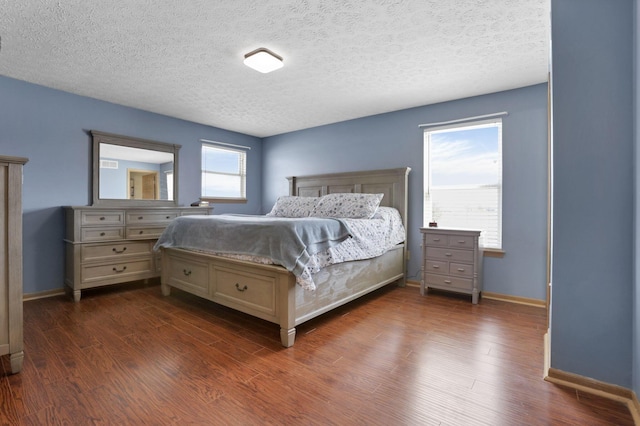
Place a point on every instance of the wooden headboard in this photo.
(393, 183)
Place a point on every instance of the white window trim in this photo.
(467, 125)
(243, 174)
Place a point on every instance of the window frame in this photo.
(496, 251)
(242, 173)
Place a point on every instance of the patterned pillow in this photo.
(347, 205)
(292, 206)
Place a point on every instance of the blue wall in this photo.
(593, 189)
(49, 127)
(394, 140)
(636, 309)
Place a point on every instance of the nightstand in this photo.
(452, 261)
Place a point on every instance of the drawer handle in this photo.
(461, 242)
(241, 289)
(436, 267)
(436, 239)
(461, 269)
(102, 234)
(115, 269)
(186, 273)
(102, 218)
(448, 254)
(140, 232)
(115, 250)
(168, 217)
(447, 281)
(140, 217)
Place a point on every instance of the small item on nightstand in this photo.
(204, 204)
(433, 224)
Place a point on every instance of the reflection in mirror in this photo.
(133, 172)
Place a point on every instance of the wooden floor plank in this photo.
(128, 355)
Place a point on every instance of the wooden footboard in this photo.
(270, 292)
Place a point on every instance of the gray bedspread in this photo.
(288, 242)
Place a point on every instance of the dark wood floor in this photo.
(128, 355)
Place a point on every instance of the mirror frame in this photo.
(131, 142)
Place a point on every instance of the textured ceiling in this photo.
(343, 59)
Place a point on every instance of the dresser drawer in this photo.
(128, 270)
(114, 251)
(142, 217)
(144, 232)
(102, 234)
(254, 291)
(102, 217)
(461, 269)
(448, 254)
(188, 274)
(444, 282)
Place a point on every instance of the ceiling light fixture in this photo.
(263, 60)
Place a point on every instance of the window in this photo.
(224, 173)
(463, 178)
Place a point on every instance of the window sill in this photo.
(492, 252)
(225, 200)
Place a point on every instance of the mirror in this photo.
(134, 172)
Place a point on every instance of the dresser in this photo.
(11, 337)
(112, 245)
(452, 261)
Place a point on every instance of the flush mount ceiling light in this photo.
(263, 60)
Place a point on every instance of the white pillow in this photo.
(347, 205)
(292, 206)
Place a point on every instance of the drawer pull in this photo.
(168, 217)
(436, 239)
(436, 266)
(448, 254)
(102, 234)
(186, 273)
(241, 289)
(140, 232)
(447, 281)
(462, 242)
(102, 218)
(140, 217)
(115, 269)
(115, 250)
(461, 269)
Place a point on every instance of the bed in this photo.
(270, 291)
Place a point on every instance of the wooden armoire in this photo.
(11, 338)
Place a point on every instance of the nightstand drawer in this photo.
(461, 269)
(461, 241)
(444, 282)
(436, 267)
(447, 254)
(436, 240)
